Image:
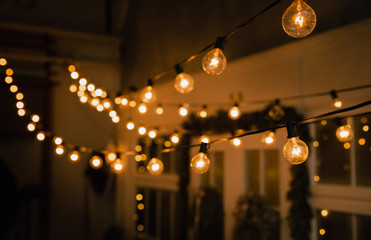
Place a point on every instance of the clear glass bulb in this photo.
(142, 108)
(214, 62)
(299, 20)
(295, 151)
(155, 166)
(175, 138)
(40, 136)
(269, 138)
(344, 133)
(96, 162)
(276, 112)
(74, 156)
(234, 113)
(205, 139)
(59, 150)
(107, 104)
(183, 111)
(153, 133)
(159, 110)
(142, 130)
(110, 157)
(184, 83)
(148, 94)
(200, 163)
(57, 140)
(236, 142)
(130, 125)
(338, 103)
(118, 166)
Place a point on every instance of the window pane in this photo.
(363, 150)
(219, 171)
(334, 226)
(364, 227)
(333, 160)
(252, 171)
(271, 177)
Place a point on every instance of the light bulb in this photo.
(201, 163)
(94, 102)
(100, 107)
(31, 127)
(110, 157)
(130, 125)
(338, 103)
(96, 162)
(74, 156)
(124, 101)
(91, 87)
(116, 119)
(335, 99)
(203, 112)
(20, 104)
(19, 96)
(184, 82)
(205, 139)
(159, 109)
(112, 113)
(107, 104)
(71, 68)
(40, 136)
(295, 150)
(83, 81)
(13, 88)
(175, 138)
(8, 79)
(148, 94)
(35, 118)
(183, 110)
(153, 133)
(276, 112)
(57, 140)
(269, 138)
(155, 166)
(214, 62)
(142, 108)
(82, 88)
(299, 19)
(73, 88)
(118, 100)
(3, 61)
(9, 72)
(132, 103)
(118, 166)
(21, 112)
(84, 99)
(344, 133)
(142, 130)
(236, 142)
(234, 112)
(99, 92)
(59, 150)
(74, 75)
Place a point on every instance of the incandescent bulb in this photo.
(335, 99)
(96, 162)
(142, 130)
(214, 62)
(40, 136)
(155, 166)
(110, 157)
(31, 127)
(152, 133)
(124, 101)
(74, 156)
(159, 109)
(295, 151)
(269, 138)
(107, 104)
(344, 133)
(142, 108)
(276, 112)
(299, 19)
(236, 142)
(175, 138)
(183, 110)
(203, 112)
(59, 150)
(57, 140)
(130, 125)
(148, 94)
(338, 103)
(201, 163)
(184, 82)
(118, 166)
(205, 139)
(234, 113)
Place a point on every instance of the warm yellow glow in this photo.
(21, 112)
(315, 144)
(202, 113)
(323, 122)
(118, 166)
(20, 104)
(82, 88)
(138, 148)
(236, 142)
(104, 94)
(344, 133)
(140, 228)
(59, 150)
(57, 140)
(299, 19)
(71, 68)
(365, 128)
(132, 103)
(205, 139)
(175, 138)
(155, 166)
(338, 103)
(130, 125)
(214, 62)
(152, 133)
(107, 104)
(116, 119)
(143, 156)
(99, 92)
(148, 95)
(362, 141)
(167, 144)
(9, 72)
(96, 162)
(347, 145)
(74, 156)
(322, 231)
(183, 111)
(84, 99)
(159, 110)
(74, 75)
(73, 88)
(364, 120)
(3, 61)
(83, 81)
(117, 100)
(31, 127)
(200, 163)
(139, 197)
(8, 80)
(142, 108)
(269, 138)
(142, 130)
(91, 87)
(13, 88)
(295, 151)
(124, 101)
(324, 212)
(110, 157)
(94, 102)
(138, 158)
(40, 136)
(184, 83)
(234, 113)
(19, 96)
(112, 113)
(100, 107)
(316, 178)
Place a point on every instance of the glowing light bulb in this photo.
(324, 212)
(19, 96)
(99, 92)
(142, 108)
(152, 133)
(57, 140)
(21, 112)
(100, 108)
(83, 81)
(295, 150)
(183, 110)
(35, 118)
(201, 163)
(159, 109)
(142, 130)
(20, 104)
(40, 136)
(104, 94)
(3, 61)
(71, 68)
(299, 20)
(112, 113)
(13, 88)
(276, 112)
(74, 156)
(73, 88)
(184, 82)
(155, 166)
(269, 138)
(59, 150)
(74, 75)
(84, 99)
(124, 101)
(107, 104)
(110, 157)
(148, 94)
(9, 72)
(118, 166)
(91, 87)
(116, 119)
(205, 139)
(214, 62)
(130, 125)
(203, 112)
(234, 113)
(96, 162)
(236, 142)
(118, 100)
(94, 102)
(8, 79)
(31, 127)
(344, 133)
(175, 138)
(335, 99)
(132, 103)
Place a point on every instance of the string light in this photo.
(13, 88)
(269, 138)
(276, 112)
(20, 104)
(175, 138)
(204, 139)
(57, 140)
(295, 150)
(236, 142)
(84, 99)
(107, 104)
(91, 87)
(132, 103)
(110, 158)
(184, 82)
(203, 112)
(74, 156)
(3, 61)
(130, 125)
(118, 165)
(9, 72)
(344, 133)
(155, 166)
(59, 150)
(94, 102)
(21, 112)
(153, 133)
(99, 92)
(234, 112)
(148, 94)
(71, 68)
(142, 108)
(8, 79)
(201, 163)
(96, 162)
(299, 19)
(142, 130)
(214, 62)
(73, 88)
(116, 119)
(35, 118)
(19, 96)
(83, 81)
(335, 99)
(183, 110)
(74, 75)
(31, 127)
(40, 136)
(112, 113)
(100, 108)
(159, 109)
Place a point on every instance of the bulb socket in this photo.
(150, 82)
(333, 94)
(203, 147)
(178, 69)
(219, 43)
(338, 122)
(277, 102)
(292, 130)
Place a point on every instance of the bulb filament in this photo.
(299, 20)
